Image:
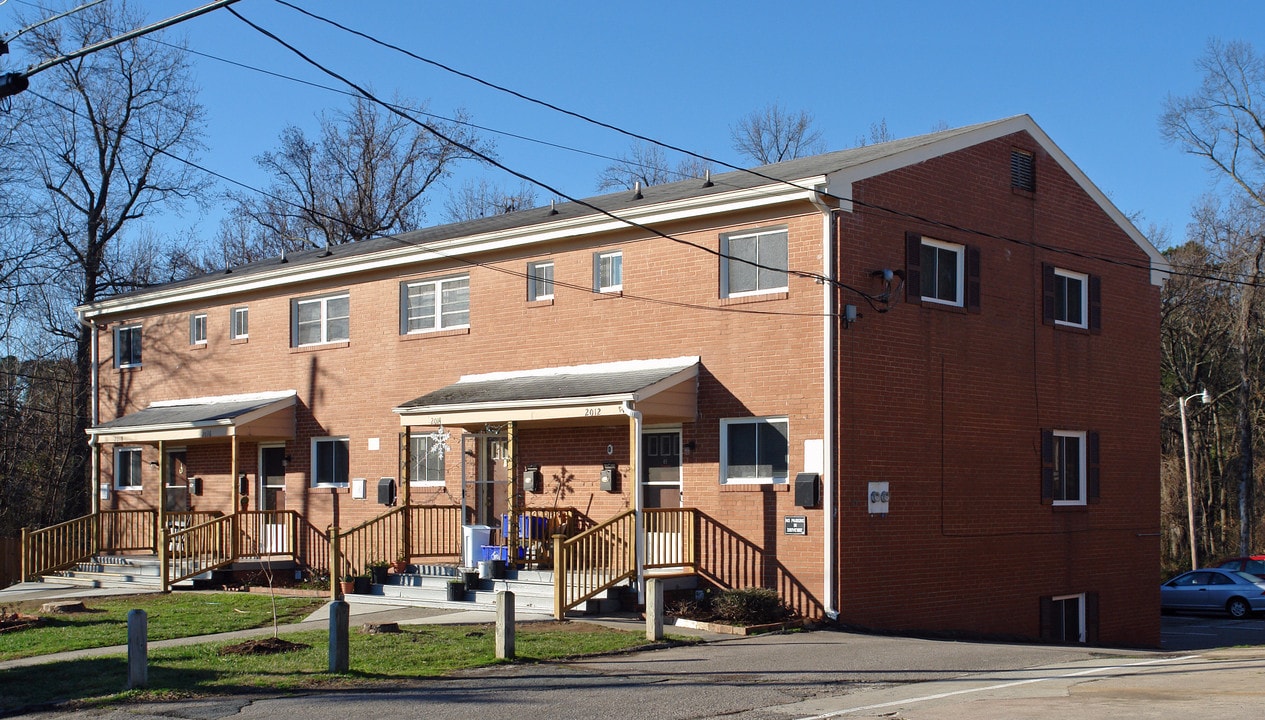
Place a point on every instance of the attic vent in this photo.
(1023, 172)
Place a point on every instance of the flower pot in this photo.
(399, 567)
(362, 585)
(379, 574)
(347, 586)
(456, 590)
(471, 579)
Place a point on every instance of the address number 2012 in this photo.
(592, 412)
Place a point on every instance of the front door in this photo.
(272, 497)
(490, 495)
(661, 469)
(177, 482)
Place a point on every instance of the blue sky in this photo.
(1094, 75)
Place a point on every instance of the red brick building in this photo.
(911, 386)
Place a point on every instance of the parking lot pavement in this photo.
(1182, 633)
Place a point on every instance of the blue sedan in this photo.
(1235, 592)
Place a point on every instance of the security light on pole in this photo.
(1205, 398)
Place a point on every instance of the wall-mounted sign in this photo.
(795, 524)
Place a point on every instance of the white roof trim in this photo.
(840, 183)
(594, 369)
(216, 399)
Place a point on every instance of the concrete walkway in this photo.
(362, 613)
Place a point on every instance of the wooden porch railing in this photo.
(670, 538)
(57, 546)
(128, 530)
(376, 539)
(433, 532)
(593, 561)
(182, 520)
(262, 533)
(196, 549)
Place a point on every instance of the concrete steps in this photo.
(107, 571)
(428, 587)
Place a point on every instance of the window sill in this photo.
(128, 488)
(322, 346)
(1075, 329)
(198, 346)
(435, 334)
(755, 487)
(607, 294)
(129, 368)
(544, 302)
(238, 340)
(1077, 507)
(744, 299)
(938, 305)
(335, 488)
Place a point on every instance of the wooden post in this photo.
(26, 552)
(164, 558)
(335, 566)
(505, 625)
(559, 577)
(511, 485)
(237, 498)
(406, 482)
(654, 609)
(138, 649)
(339, 619)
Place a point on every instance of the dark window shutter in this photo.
(913, 266)
(1023, 173)
(972, 279)
(1095, 304)
(1091, 466)
(1047, 618)
(1047, 466)
(1091, 618)
(1047, 293)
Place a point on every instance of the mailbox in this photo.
(607, 478)
(195, 485)
(531, 479)
(386, 491)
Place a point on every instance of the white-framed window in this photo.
(240, 323)
(329, 461)
(540, 280)
(429, 305)
(1071, 298)
(754, 450)
(127, 346)
(943, 271)
(1066, 619)
(753, 263)
(321, 320)
(426, 460)
(127, 468)
(197, 329)
(1069, 467)
(608, 271)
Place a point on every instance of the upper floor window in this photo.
(753, 263)
(127, 346)
(1071, 299)
(754, 450)
(1069, 466)
(435, 304)
(540, 281)
(608, 271)
(127, 468)
(942, 273)
(321, 320)
(330, 461)
(197, 329)
(240, 329)
(426, 460)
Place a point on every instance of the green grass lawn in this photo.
(388, 659)
(175, 615)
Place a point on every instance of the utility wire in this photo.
(669, 146)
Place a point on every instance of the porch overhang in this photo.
(663, 389)
(259, 416)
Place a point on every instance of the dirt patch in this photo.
(263, 646)
(14, 621)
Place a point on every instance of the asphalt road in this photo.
(813, 675)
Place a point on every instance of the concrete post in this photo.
(339, 658)
(505, 625)
(654, 609)
(137, 649)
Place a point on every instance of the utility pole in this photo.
(16, 82)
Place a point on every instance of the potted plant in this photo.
(363, 585)
(378, 571)
(456, 589)
(348, 584)
(400, 566)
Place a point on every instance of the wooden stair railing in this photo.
(669, 539)
(593, 561)
(57, 547)
(200, 548)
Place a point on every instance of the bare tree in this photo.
(878, 134)
(365, 175)
(773, 134)
(478, 199)
(647, 164)
(1223, 123)
(95, 153)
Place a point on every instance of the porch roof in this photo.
(267, 415)
(665, 389)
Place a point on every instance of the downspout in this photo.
(828, 336)
(93, 418)
(634, 469)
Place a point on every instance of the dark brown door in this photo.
(661, 470)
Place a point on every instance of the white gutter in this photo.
(93, 417)
(829, 518)
(634, 458)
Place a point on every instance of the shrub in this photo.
(750, 606)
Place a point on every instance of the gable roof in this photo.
(798, 179)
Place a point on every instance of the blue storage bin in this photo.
(495, 552)
(529, 527)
